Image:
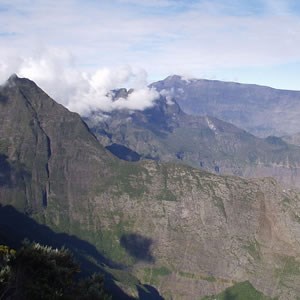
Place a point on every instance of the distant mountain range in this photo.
(261, 110)
(156, 229)
(292, 139)
(165, 133)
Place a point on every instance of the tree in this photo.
(42, 272)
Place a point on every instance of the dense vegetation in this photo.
(41, 272)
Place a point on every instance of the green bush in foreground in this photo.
(41, 272)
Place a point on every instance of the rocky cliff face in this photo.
(164, 132)
(260, 110)
(48, 151)
(208, 232)
(187, 232)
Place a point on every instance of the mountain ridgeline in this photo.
(184, 231)
(261, 110)
(165, 133)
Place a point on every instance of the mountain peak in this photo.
(13, 77)
(173, 77)
(12, 80)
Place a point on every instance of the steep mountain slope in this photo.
(185, 231)
(45, 148)
(164, 132)
(260, 110)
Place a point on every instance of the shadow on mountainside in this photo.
(137, 246)
(150, 294)
(3, 99)
(11, 174)
(229, 296)
(5, 171)
(15, 227)
(123, 152)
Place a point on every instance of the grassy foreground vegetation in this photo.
(240, 291)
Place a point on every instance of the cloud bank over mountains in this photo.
(248, 41)
(83, 92)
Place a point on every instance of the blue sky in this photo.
(254, 41)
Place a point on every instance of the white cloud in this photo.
(169, 95)
(54, 70)
(137, 100)
(97, 93)
(202, 38)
